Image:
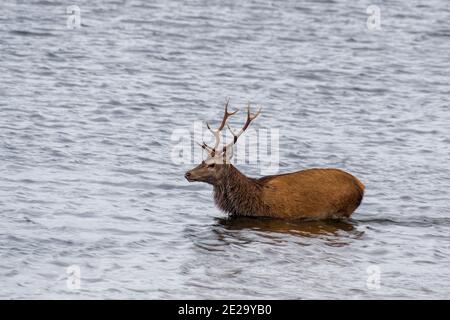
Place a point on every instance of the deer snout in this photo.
(188, 175)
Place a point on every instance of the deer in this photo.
(316, 193)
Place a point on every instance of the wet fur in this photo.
(312, 193)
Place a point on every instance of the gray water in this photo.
(86, 177)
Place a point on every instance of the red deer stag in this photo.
(312, 193)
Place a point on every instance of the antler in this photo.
(216, 133)
(250, 118)
(227, 149)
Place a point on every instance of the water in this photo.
(86, 117)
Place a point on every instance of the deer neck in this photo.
(237, 194)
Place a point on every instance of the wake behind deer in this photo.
(312, 193)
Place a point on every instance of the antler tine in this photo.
(226, 115)
(204, 146)
(250, 118)
(216, 133)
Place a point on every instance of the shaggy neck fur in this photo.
(238, 195)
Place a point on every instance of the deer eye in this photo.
(211, 165)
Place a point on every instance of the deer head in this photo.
(214, 167)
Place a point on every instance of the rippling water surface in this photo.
(86, 176)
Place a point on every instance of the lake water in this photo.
(87, 181)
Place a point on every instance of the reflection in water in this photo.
(242, 231)
(305, 228)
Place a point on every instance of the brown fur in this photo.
(312, 193)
